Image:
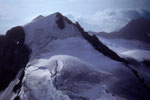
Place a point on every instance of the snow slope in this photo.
(65, 73)
(132, 49)
(128, 48)
(42, 31)
(64, 66)
(138, 54)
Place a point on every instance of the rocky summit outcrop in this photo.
(60, 21)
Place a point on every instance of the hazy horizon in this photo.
(93, 15)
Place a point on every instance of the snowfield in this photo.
(128, 48)
(62, 75)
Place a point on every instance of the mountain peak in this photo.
(48, 28)
(53, 58)
(38, 17)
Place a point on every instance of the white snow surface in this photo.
(40, 78)
(140, 55)
(128, 48)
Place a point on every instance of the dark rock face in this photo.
(147, 63)
(60, 21)
(16, 34)
(137, 29)
(99, 46)
(19, 84)
(14, 55)
(17, 87)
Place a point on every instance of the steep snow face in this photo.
(45, 29)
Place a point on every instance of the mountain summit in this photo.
(63, 62)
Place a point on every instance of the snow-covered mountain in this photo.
(60, 61)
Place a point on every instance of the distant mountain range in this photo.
(137, 29)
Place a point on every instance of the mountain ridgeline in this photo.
(99, 46)
(93, 40)
(14, 54)
(61, 61)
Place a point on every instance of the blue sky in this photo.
(94, 15)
